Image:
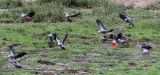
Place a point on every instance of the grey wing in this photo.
(19, 13)
(124, 41)
(27, 17)
(129, 20)
(20, 55)
(56, 38)
(16, 64)
(12, 55)
(110, 30)
(51, 37)
(122, 16)
(100, 25)
(64, 38)
(64, 11)
(12, 52)
(74, 15)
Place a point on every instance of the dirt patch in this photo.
(7, 22)
(146, 65)
(144, 39)
(80, 57)
(81, 37)
(88, 10)
(84, 9)
(120, 31)
(155, 11)
(48, 73)
(76, 70)
(80, 61)
(132, 64)
(43, 34)
(5, 39)
(137, 3)
(3, 10)
(29, 0)
(46, 62)
(39, 36)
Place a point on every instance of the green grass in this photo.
(155, 6)
(10, 3)
(84, 50)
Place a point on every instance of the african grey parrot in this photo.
(27, 16)
(103, 31)
(60, 43)
(69, 16)
(145, 48)
(127, 19)
(14, 57)
(115, 38)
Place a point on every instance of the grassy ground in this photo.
(85, 53)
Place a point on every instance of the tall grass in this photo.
(71, 3)
(54, 14)
(10, 3)
(43, 13)
(153, 6)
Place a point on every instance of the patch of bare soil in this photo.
(132, 64)
(29, 0)
(3, 10)
(77, 70)
(39, 36)
(7, 22)
(144, 39)
(46, 62)
(137, 3)
(146, 65)
(88, 10)
(81, 37)
(84, 9)
(43, 34)
(155, 11)
(5, 39)
(80, 57)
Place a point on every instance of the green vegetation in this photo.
(10, 3)
(155, 6)
(84, 53)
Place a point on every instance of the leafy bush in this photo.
(107, 8)
(71, 3)
(42, 13)
(10, 3)
(49, 11)
(45, 14)
(153, 6)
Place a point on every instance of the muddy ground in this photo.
(137, 3)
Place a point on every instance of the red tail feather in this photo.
(132, 25)
(127, 43)
(63, 48)
(69, 20)
(108, 37)
(113, 44)
(15, 62)
(149, 52)
(30, 20)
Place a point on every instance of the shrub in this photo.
(71, 3)
(10, 3)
